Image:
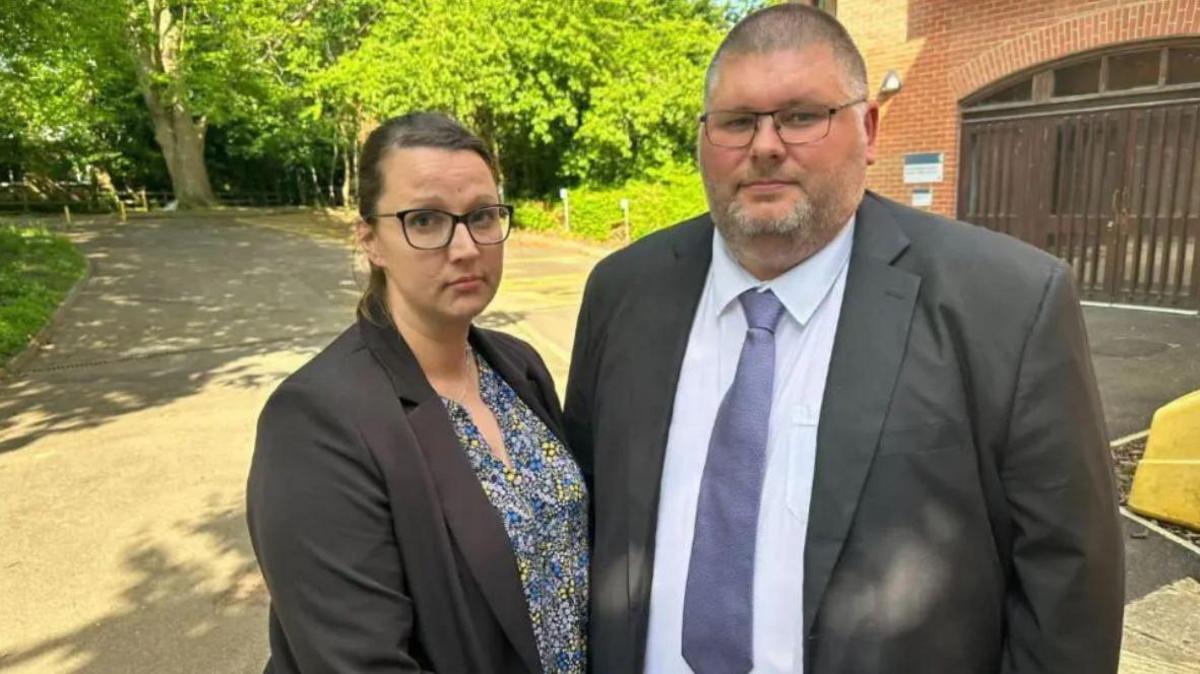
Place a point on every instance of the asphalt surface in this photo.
(1143, 359)
(124, 446)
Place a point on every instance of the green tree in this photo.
(613, 81)
(642, 109)
(296, 114)
(564, 91)
(156, 34)
(192, 62)
(49, 115)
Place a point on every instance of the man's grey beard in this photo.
(808, 224)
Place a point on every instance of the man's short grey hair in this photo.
(791, 26)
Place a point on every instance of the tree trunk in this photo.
(347, 174)
(156, 50)
(316, 185)
(354, 166)
(333, 163)
(486, 123)
(182, 143)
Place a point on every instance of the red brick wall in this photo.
(945, 50)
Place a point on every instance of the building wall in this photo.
(946, 50)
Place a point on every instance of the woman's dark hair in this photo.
(415, 129)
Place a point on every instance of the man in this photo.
(828, 433)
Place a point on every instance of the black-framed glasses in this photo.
(795, 124)
(432, 228)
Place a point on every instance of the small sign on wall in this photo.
(922, 197)
(923, 167)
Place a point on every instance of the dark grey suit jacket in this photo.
(379, 547)
(963, 516)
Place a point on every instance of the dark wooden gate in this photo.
(1097, 160)
(1114, 192)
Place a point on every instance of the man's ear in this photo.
(871, 128)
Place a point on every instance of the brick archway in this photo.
(1125, 22)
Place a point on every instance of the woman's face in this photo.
(444, 287)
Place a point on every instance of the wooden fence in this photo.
(19, 197)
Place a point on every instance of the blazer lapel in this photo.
(474, 524)
(872, 336)
(664, 316)
(517, 374)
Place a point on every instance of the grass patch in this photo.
(669, 196)
(37, 269)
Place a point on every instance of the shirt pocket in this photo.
(801, 446)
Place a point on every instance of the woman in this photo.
(411, 502)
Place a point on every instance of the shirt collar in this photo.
(801, 288)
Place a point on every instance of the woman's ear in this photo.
(364, 236)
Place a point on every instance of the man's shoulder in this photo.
(979, 275)
(943, 245)
(651, 252)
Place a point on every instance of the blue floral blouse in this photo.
(543, 503)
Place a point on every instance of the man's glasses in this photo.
(796, 125)
(431, 228)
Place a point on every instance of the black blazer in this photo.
(379, 547)
(963, 516)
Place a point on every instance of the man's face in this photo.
(770, 187)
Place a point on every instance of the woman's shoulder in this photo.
(335, 376)
(316, 413)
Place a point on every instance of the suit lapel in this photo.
(872, 336)
(663, 317)
(474, 524)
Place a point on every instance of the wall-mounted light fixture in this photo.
(891, 83)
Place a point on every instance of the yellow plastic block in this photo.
(1166, 485)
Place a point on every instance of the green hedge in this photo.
(668, 197)
(37, 269)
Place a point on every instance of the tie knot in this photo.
(762, 309)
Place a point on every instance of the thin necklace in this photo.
(462, 394)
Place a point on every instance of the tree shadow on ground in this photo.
(170, 306)
(176, 615)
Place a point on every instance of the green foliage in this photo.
(567, 92)
(65, 108)
(563, 91)
(36, 271)
(641, 112)
(670, 195)
(538, 215)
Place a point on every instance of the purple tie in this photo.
(718, 604)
